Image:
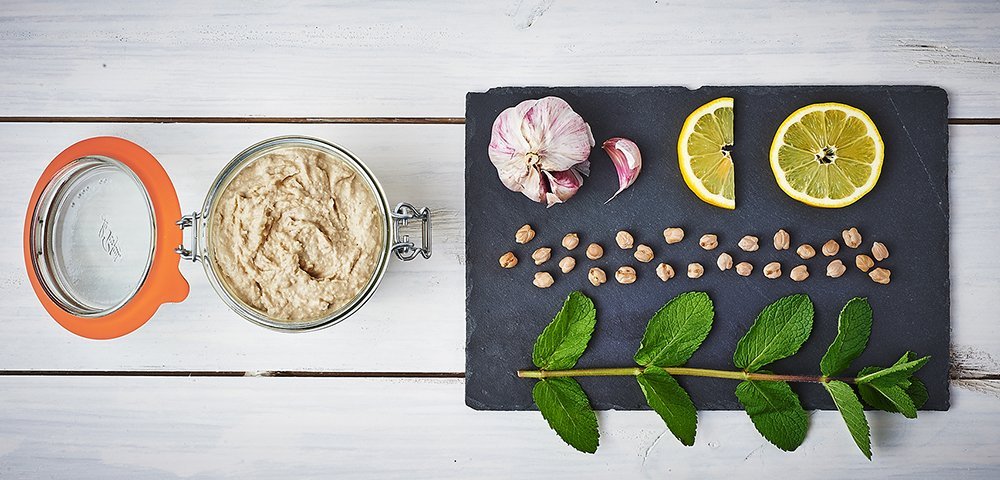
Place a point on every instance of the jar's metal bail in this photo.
(192, 221)
(404, 248)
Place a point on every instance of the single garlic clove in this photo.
(563, 184)
(535, 142)
(625, 156)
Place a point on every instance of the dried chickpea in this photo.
(879, 251)
(508, 260)
(624, 239)
(725, 261)
(664, 271)
(880, 275)
(570, 241)
(625, 275)
(744, 269)
(695, 270)
(673, 235)
(830, 248)
(524, 234)
(806, 251)
(709, 241)
(781, 240)
(799, 273)
(594, 251)
(543, 280)
(852, 238)
(567, 264)
(596, 276)
(772, 270)
(864, 262)
(835, 269)
(541, 255)
(643, 253)
(749, 243)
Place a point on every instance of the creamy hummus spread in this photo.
(296, 234)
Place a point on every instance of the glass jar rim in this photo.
(230, 171)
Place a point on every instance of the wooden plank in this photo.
(128, 428)
(415, 322)
(411, 59)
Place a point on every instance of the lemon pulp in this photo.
(827, 155)
(704, 151)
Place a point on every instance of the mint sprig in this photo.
(676, 332)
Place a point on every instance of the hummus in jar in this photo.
(296, 234)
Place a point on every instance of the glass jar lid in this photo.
(93, 236)
(98, 238)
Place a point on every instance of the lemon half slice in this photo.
(827, 155)
(704, 150)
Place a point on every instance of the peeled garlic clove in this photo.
(540, 148)
(625, 155)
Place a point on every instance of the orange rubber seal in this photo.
(163, 283)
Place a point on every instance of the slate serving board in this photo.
(907, 210)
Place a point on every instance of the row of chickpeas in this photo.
(749, 243)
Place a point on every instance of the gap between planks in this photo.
(317, 120)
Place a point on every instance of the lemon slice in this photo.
(704, 152)
(827, 155)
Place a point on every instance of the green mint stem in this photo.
(683, 371)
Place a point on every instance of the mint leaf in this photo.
(567, 409)
(905, 396)
(917, 392)
(853, 329)
(852, 411)
(891, 398)
(895, 374)
(563, 341)
(676, 330)
(779, 331)
(775, 411)
(871, 396)
(671, 402)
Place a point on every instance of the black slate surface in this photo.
(907, 210)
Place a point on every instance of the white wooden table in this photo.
(199, 393)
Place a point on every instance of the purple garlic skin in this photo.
(540, 148)
(625, 155)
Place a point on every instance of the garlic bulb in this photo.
(625, 155)
(540, 148)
